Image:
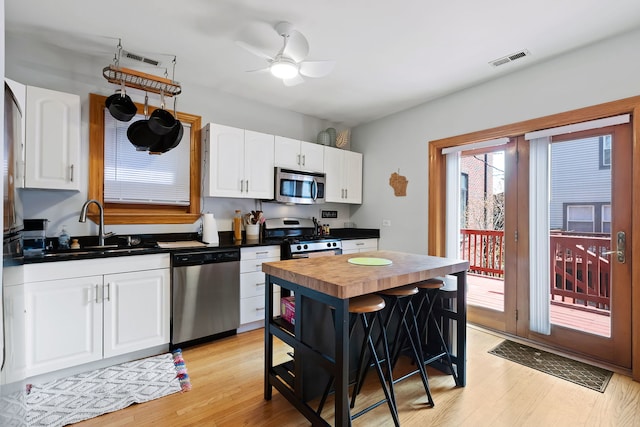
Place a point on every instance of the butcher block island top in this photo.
(336, 276)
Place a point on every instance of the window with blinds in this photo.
(132, 176)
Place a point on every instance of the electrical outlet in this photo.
(386, 223)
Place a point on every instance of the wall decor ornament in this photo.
(399, 184)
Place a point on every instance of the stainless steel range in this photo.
(298, 238)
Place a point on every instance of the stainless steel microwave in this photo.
(299, 187)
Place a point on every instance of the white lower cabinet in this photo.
(252, 283)
(63, 323)
(354, 246)
(74, 320)
(136, 311)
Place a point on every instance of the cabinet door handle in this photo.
(71, 173)
(108, 289)
(241, 185)
(97, 295)
(346, 193)
(247, 185)
(304, 160)
(298, 159)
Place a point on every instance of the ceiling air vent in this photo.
(140, 58)
(510, 58)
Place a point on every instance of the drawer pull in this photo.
(259, 308)
(360, 244)
(259, 284)
(262, 253)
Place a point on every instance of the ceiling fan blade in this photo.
(256, 51)
(297, 47)
(293, 81)
(259, 70)
(316, 68)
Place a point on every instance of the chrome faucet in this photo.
(83, 218)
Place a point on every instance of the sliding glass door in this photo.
(546, 224)
(578, 285)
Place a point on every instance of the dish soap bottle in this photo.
(63, 238)
(237, 226)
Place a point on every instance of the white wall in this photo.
(55, 68)
(603, 72)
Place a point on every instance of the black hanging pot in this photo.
(169, 141)
(141, 136)
(120, 106)
(139, 133)
(161, 121)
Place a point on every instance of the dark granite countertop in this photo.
(148, 244)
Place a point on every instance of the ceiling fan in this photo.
(289, 62)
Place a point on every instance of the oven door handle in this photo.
(299, 256)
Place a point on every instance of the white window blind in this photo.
(539, 243)
(132, 176)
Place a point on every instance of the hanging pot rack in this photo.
(143, 81)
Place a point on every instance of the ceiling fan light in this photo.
(284, 70)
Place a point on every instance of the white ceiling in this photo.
(390, 55)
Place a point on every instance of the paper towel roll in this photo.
(209, 229)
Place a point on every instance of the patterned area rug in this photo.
(98, 392)
(577, 372)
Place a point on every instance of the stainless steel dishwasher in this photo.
(205, 289)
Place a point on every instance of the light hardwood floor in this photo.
(227, 378)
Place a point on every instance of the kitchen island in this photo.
(331, 281)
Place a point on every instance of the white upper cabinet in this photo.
(298, 155)
(258, 165)
(343, 171)
(237, 163)
(52, 139)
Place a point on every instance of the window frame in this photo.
(121, 213)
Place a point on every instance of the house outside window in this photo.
(605, 152)
(581, 218)
(606, 218)
(464, 199)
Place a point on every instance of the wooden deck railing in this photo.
(484, 249)
(580, 273)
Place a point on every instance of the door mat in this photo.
(90, 394)
(571, 370)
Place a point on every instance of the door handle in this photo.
(621, 243)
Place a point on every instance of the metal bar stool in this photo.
(429, 292)
(401, 299)
(359, 308)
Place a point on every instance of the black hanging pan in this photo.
(170, 140)
(120, 106)
(161, 121)
(139, 133)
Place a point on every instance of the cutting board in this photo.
(181, 244)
